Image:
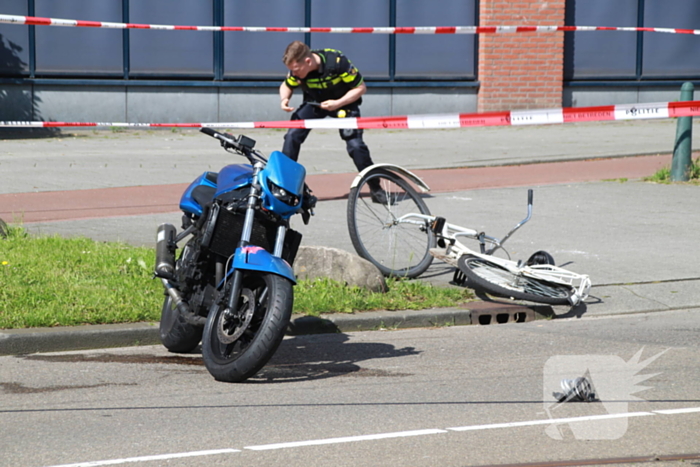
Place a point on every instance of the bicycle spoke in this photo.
(500, 281)
(380, 236)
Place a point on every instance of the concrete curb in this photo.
(60, 339)
(26, 341)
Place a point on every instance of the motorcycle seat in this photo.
(204, 194)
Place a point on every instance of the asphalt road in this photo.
(467, 395)
(475, 395)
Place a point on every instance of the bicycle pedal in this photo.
(442, 255)
(459, 278)
(437, 252)
(437, 225)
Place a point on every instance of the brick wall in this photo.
(523, 70)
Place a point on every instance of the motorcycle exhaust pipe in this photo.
(181, 306)
(165, 251)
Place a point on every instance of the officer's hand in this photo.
(284, 105)
(330, 104)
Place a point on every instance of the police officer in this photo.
(332, 87)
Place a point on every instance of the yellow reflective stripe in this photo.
(292, 82)
(348, 78)
(322, 84)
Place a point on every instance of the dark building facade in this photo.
(100, 74)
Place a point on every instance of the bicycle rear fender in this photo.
(396, 169)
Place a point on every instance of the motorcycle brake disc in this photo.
(229, 330)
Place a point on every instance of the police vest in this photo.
(334, 78)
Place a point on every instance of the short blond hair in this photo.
(296, 52)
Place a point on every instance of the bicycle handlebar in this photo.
(520, 224)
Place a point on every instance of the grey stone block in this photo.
(313, 262)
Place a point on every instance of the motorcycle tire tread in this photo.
(176, 334)
(265, 342)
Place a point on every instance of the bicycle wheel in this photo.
(397, 249)
(497, 280)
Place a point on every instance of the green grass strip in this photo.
(325, 295)
(54, 281)
(663, 175)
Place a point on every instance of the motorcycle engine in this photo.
(192, 278)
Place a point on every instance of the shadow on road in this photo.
(328, 356)
(298, 358)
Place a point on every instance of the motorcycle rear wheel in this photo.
(237, 346)
(175, 333)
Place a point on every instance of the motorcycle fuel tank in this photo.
(210, 184)
(232, 177)
(204, 184)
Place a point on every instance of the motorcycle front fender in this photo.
(255, 258)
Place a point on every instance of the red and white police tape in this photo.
(432, 121)
(38, 21)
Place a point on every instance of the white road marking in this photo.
(550, 421)
(348, 439)
(398, 434)
(151, 458)
(677, 411)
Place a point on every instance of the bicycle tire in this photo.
(497, 280)
(400, 250)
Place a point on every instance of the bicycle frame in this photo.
(452, 234)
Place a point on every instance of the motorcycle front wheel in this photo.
(237, 343)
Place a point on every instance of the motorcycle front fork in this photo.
(255, 192)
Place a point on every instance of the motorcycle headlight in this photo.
(282, 194)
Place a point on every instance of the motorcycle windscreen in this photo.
(282, 181)
(286, 173)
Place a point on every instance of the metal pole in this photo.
(681, 163)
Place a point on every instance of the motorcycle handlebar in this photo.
(224, 138)
(208, 131)
(242, 144)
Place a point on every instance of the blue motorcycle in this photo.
(231, 285)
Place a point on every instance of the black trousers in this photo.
(356, 147)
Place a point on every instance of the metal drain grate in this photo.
(485, 317)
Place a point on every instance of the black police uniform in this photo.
(334, 78)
